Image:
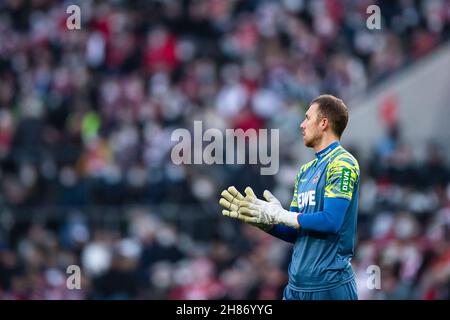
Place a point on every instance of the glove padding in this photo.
(268, 212)
(232, 201)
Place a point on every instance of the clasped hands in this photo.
(254, 211)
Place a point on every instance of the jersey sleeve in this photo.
(342, 175)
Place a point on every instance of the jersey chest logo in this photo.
(316, 177)
(307, 198)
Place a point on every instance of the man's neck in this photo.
(324, 143)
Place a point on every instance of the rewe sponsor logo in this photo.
(307, 198)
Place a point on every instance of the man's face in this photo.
(311, 126)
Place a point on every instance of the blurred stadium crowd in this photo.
(85, 123)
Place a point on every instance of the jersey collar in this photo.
(321, 154)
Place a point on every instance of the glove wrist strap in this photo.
(289, 219)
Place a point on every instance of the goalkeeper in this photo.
(321, 222)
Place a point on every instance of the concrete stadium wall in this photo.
(419, 97)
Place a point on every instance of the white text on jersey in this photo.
(307, 198)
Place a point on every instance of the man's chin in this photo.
(307, 143)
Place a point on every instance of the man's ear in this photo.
(324, 123)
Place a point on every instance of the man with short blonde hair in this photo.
(321, 222)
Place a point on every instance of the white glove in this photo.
(231, 201)
(267, 212)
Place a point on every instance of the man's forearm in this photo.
(284, 233)
(328, 220)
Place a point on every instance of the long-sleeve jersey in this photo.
(326, 194)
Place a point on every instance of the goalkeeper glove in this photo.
(231, 201)
(267, 212)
